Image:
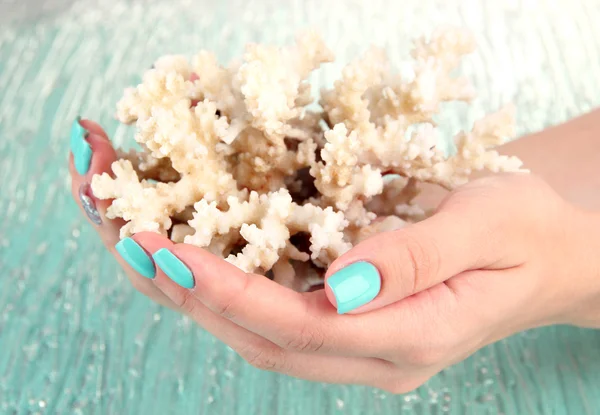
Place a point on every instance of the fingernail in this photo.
(136, 257)
(88, 204)
(354, 286)
(81, 149)
(174, 268)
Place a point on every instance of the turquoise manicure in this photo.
(354, 286)
(174, 268)
(81, 149)
(136, 257)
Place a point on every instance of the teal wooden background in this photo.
(76, 339)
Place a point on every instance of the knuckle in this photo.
(187, 303)
(227, 307)
(308, 340)
(423, 260)
(262, 358)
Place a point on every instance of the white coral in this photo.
(272, 82)
(234, 161)
(266, 222)
(131, 198)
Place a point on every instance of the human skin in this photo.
(503, 254)
(566, 156)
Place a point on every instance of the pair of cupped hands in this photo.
(502, 254)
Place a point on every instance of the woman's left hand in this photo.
(501, 255)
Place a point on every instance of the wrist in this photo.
(584, 277)
(566, 156)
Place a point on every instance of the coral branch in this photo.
(236, 161)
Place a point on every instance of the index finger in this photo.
(305, 322)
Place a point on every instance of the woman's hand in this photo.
(501, 255)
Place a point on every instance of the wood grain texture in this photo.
(74, 336)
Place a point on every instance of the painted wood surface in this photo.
(75, 338)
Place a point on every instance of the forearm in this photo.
(567, 157)
(583, 282)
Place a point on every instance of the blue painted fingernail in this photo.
(174, 268)
(81, 149)
(354, 286)
(136, 257)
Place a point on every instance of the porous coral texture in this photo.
(237, 160)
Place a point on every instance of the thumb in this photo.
(394, 265)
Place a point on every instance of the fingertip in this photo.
(90, 148)
(330, 294)
(93, 128)
(209, 263)
(94, 158)
(347, 259)
(103, 154)
(83, 168)
(354, 286)
(152, 241)
(138, 251)
(174, 267)
(136, 256)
